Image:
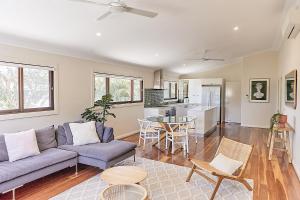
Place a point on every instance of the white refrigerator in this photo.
(211, 97)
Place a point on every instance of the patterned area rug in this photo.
(164, 182)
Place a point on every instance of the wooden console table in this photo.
(281, 135)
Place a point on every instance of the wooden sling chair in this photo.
(232, 149)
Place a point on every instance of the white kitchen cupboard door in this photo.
(233, 101)
(194, 91)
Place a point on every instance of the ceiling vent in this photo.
(291, 26)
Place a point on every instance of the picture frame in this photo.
(291, 89)
(259, 90)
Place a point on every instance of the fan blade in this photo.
(144, 13)
(206, 59)
(103, 16)
(90, 2)
(214, 59)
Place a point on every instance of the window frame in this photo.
(170, 90)
(21, 106)
(187, 89)
(107, 87)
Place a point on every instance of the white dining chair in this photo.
(148, 130)
(178, 136)
(191, 128)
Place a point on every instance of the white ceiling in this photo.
(182, 29)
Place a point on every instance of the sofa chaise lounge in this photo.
(56, 154)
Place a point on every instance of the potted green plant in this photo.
(100, 111)
(275, 119)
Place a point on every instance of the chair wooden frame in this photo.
(231, 149)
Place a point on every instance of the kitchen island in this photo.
(206, 118)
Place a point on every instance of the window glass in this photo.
(123, 89)
(9, 92)
(166, 90)
(100, 87)
(185, 89)
(137, 90)
(120, 89)
(173, 90)
(36, 88)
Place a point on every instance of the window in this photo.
(120, 89)
(25, 89)
(170, 90)
(185, 89)
(100, 87)
(137, 90)
(123, 89)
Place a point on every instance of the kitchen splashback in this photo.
(154, 97)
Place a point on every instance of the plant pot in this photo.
(282, 121)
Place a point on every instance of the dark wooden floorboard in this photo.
(274, 180)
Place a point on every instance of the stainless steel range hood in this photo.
(158, 79)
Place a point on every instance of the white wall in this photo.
(75, 89)
(261, 65)
(231, 73)
(289, 60)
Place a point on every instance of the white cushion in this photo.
(225, 164)
(21, 145)
(84, 133)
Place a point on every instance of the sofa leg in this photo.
(13, 194)
(76, 169)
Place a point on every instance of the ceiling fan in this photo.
(118, 6)
(204, 58)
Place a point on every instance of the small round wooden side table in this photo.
(123, 175)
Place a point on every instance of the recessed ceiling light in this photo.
(236, 28)
(98, 34)
(156, 54)
(184, 64)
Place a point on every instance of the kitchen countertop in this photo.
(186, 105)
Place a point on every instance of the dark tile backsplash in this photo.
(154, 97)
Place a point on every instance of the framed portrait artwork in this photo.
(291, 89)
(259, 90)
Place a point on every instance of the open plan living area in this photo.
(149, 100)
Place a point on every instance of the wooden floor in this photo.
(274, 179)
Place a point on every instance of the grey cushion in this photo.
(102, 151)
(68, 131)
(61, 136)
(108, 134)
(11, 170)
(3, 150)
(100, 129)
(46, 138)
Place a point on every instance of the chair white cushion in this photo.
(21, 145)
(225, 164)
(84, 133)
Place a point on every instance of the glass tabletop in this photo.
(172, 119)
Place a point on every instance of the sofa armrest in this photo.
(108, 135)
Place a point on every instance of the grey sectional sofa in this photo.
(57, 153)
(102, 155)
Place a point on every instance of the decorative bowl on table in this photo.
(124, 192)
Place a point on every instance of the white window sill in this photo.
(27, 115)
(127, 105)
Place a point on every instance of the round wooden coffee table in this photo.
(123, 175)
